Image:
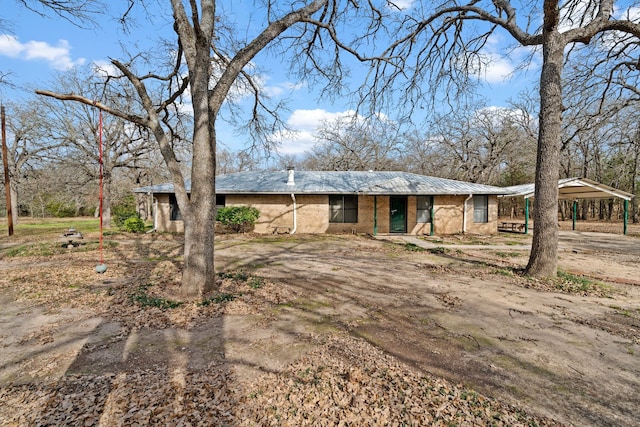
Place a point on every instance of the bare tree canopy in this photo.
(356, 143)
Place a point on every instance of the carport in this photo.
(573, 189)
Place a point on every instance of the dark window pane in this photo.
(481, 208)
(343, 209)
(425, 204)
(174, 210)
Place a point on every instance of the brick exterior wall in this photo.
(312, 214)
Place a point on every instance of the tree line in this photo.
(53, 152)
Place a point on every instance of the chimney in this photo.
(290, 177)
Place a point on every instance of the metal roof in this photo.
(573, 188)
(337, 182)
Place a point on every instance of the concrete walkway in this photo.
(397, 238)
(571, 241)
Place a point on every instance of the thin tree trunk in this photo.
(634, 202)
(106, 200)
(543, 261)
(15, 208)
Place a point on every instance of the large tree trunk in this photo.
(198, 275)
(543, 261)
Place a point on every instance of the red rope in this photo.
(101, 185)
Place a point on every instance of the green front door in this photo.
(398, 214)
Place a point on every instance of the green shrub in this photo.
(60, 209)
(133, 224)
(144, 300)
(218, 299)
(238, 218)
(122, 211)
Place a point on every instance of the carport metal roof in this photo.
(573, 189)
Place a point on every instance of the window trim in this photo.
(337, 204)
(480, 213)
(427, 209)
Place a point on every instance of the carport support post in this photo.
(526, 215)
(575, 213)
(626, 215)
(432, 227)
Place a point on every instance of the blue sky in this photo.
(34, 48)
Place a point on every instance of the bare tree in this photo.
(445, 44)
(355, 143)
(475, 144)
(239, 161)
(28, 148)
(422, 154)
(213, 69)
(76, 127)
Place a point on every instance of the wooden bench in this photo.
(511, 226)
(281, 230)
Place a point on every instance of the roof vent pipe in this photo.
(290, 177)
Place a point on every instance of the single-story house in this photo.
(346, 202)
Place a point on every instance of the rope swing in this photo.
(100, 268)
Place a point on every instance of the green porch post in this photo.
(526, 215)
(575, 213)
(375, 215)
(626, 215)
(433, 220)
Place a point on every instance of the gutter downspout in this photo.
(375, 215)
(626, 216)
(295, 219)
(464, 214)
(526, 215)
(154, 202)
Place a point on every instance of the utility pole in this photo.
(7, 182)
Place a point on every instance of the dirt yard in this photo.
(321, 330)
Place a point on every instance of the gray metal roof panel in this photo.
(338, 182)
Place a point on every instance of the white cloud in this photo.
(9, 46)
(59, 56)
(497, 68)
(401, 4)
(105, 69)
(304, 124)
(491, 67)
(277, 89)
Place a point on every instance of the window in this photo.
(174, 210)
(221, 200)
(343, 209)
(481, 208)
(425, 204)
